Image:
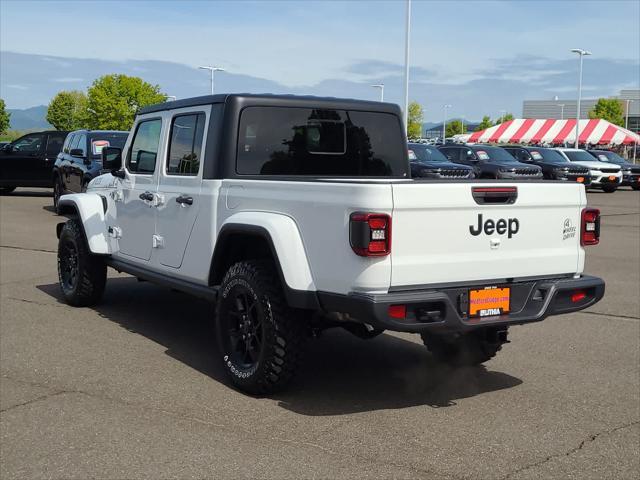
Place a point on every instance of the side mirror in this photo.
(111, 158)
(77, 152)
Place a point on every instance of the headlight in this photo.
(504, 170)
(561, 169)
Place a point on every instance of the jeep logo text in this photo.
(501, 226)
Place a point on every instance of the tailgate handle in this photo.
(494, 195)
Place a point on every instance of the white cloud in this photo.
(67, 80)
(17, 87)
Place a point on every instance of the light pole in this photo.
(381, 87)
(561, 105)
(212, 69)
(462, 125)
(581, 53)
(626, 119)
(406, 65)
(444, 121)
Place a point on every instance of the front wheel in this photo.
(81, 274)
(466, 350)
(259, 336)
(609, 188)
(57, 191)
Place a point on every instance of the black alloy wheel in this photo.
(244, 327)
(68, 258)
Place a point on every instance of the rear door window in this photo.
(320, 142)
(185, 144)
(54, 143)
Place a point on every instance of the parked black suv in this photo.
(488, 161)
(28, 161)
(80, 159)
(554, 165)
(630, 171)
(428, 162)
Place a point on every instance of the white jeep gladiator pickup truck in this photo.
(295, 214)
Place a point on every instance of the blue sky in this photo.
(301, 44)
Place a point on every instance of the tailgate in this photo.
(441, 234)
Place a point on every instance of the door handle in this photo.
(184, 200)
(148, 196)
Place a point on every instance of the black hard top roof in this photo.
(266, 99)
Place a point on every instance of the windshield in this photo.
(579, 156)
(495, 154)
(427, 153)
(610, 157)
(548, 155)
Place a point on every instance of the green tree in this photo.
(68, 110)
(454, 127)
(505, 118)
(114, 99)
(4, 118)
(609, 109)
(414, 128)
(484, 124)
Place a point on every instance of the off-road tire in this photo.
(467, 350)
(82, 275)
(57, 191)
(609, 188)
(6, 190)
(282, 332)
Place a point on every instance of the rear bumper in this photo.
(442, 310)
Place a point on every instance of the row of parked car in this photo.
(600, 169)
(66, 161)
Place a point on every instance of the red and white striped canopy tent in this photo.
(541, 131)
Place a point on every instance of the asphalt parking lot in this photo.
(133, 389)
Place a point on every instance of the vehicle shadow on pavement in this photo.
(29, 193)
(340, 375)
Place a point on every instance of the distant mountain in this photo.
(29, 119)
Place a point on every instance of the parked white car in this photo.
(280, 210)
(604, 176)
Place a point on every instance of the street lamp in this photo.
(407, 34)
(444, 121)
(581, 53)
(561, 105)
(381, 87)
(626, 120)
(212, 69)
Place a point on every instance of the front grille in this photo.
(454, 173)
(577, 171)
(609, 170)
(635, 170)
(526, 171)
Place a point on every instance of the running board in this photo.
(202, 291)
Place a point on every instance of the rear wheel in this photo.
(260, 338)
(609, 188)
(466, 350)
(6, 190)
(81, 274)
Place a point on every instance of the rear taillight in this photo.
(590, 229)
(370, 234)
